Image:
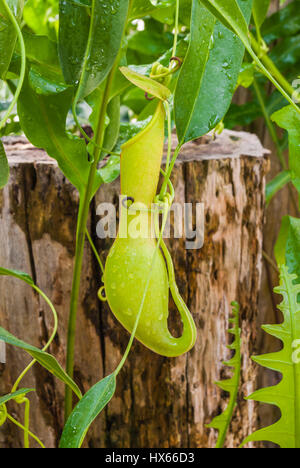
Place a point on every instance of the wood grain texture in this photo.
(159, 402)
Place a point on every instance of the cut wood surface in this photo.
(159, 402)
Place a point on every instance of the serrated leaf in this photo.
(44, 359)
(86, 411)
(286, 395)
(222, 422)
(287, 248)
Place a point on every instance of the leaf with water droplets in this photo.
(86, 411)
(200, 106)
(8, 35)
(90, 41)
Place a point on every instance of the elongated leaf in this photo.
(8, 35)
(277, 184)
(107, 24)
(147, 84)
(41, 50)
(285, 22)
(11, 396)
(192, 72)
(211, 97)
(222, 422)
(86, 411)
(4, 168)
(43, 120)
(230, 14)
(74, 25)
(45, 359)
(286, 395)
(260, 10)
(141, 8)
(112, 131)
(17, 274)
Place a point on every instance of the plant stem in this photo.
(270, 261)
(93, 247)
(22, 375)
(269, 124)
(269, 64)
(176, 28)
(80, 238)
(14, 421)
(169, 172)
(26, 422)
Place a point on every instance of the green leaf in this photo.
(230, 14)
(192, 71)
(8, 35)
(141, 8)
(11, 396)
(277, 184)
(41, 50)
(147, 84)
(113, 128)
(111, 170)
(17, 274)
(41, 17)
(286, 54)
(44, 359)
(44, 81)
(107, 24)
(287, 248)
(43, 120)
(222, 422)
(286, 395)
(210, 98)
(283, 23)
(74, 25)
(86, 411)
(4, 168)
(289, 119)
(246, 76)
(260, 10)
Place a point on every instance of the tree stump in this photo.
(159, 402)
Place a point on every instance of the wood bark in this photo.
(159, 402)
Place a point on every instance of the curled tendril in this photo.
(3, 414)
(149, 98)
(101, 294)
(178, 60)
(125, 202)
(20, 399)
